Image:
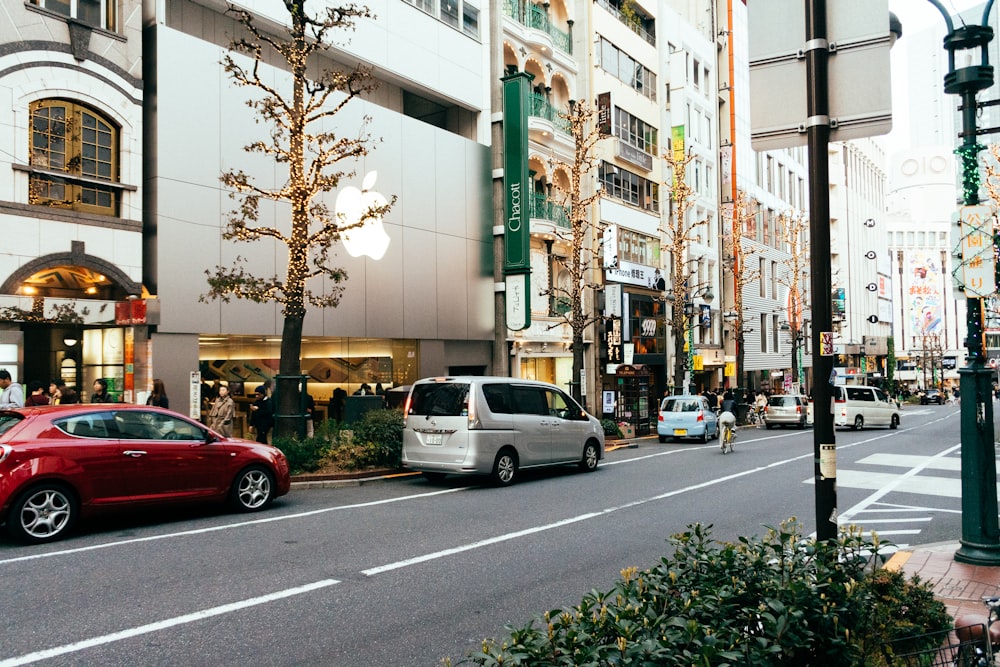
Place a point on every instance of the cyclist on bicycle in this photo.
(727, 420)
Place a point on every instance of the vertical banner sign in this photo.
(978, 262)
(604, 114)
(677, 143)
(517, 190)
(129, 396)
(194, 395)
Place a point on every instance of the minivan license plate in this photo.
(433, 439)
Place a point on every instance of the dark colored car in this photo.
(58, 463)
(931, 396)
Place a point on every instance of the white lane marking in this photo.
(241, 524)
(928, 485)
(883, 508)
(953, 463)
(575, 519)
(164, 624)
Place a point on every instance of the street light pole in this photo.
(980, 543)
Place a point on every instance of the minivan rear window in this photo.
(440, 399)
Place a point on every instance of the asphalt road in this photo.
(404, 573)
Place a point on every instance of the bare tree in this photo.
(580, 236)
(793, 227)
(309, 157)
(677, 234)
(743, 210)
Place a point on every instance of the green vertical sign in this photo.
(516, 186)
(517, 190)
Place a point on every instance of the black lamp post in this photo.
(980, 531)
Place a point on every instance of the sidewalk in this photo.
(960, 586)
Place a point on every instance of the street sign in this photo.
(978, 259)
(860, 95)
(826, 344)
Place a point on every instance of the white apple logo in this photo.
(351, 206)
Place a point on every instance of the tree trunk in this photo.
(289, 415)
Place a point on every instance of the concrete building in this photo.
(777, 182)
(424, 308)
(71, 191)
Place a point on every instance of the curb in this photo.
(334, 480)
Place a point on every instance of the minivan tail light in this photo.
(701, 416)
(474, 422)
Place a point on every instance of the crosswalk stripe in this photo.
(930, 485)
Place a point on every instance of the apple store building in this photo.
(418, 297)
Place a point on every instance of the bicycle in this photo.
(728, 439)
(973, 629)
(755, 417)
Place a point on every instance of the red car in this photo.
(58, 463)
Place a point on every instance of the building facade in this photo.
(424, 308)
(71, 191)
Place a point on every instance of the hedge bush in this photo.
(777, 600)
(611, 428)
(375, 441)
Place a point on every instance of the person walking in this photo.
(223, 411)
(159, 396)
(36, 394)
(12, 395)
(262, 414)
(101, 394)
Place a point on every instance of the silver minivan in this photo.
(477, 425)
(859, 406)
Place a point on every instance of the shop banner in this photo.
(517, 186)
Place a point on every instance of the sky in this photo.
(915, 15)
(921, 13)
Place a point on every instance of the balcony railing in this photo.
(540, 107)
(537, 17)
(634, 23)
(543, 209)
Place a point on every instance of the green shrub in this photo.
(776, 600)
(611, 428)
(304, 455)
(378, 438)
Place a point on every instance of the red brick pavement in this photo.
(960, 586)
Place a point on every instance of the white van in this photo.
(858, 407)
(495, 426)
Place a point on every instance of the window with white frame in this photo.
(96, 13)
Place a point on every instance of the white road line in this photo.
(928, 485)
(575, 519)
(164, 624)
(241, 524)
(892, 486)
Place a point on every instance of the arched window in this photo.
(73, 150)
(96, 13)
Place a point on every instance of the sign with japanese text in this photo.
(978, 260)
(613, 340)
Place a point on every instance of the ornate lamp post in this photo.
(980, 530)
